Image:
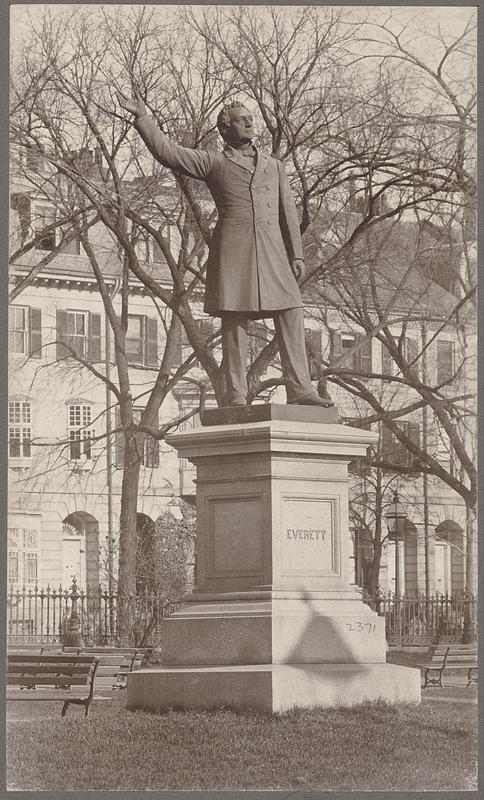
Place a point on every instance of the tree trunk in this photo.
(127, 541)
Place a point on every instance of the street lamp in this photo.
(396, 519)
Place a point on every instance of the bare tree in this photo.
(377, 167)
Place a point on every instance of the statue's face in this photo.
(240, 129)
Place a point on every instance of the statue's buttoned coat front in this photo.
(257, 233)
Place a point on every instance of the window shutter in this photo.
(94, 337)
(413, 434)
(386, 361)
(315, 339)
(336, 349)
(151, 328)
(73, 247)
(61, 333)
(445, 361)
(22, 205)
(386, 444)
(357, 357)
(119, 449)
(411, 353)
(365, 354)
(35, 348)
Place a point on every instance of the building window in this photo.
(34, 161)
(30, 567)
(410, 354)
(73, 246)
(19, 429)
(77, 332)
(23, 555)
(18, 329)
(141, 346)
(445, 361)
(80, 433)
(361, 360)
(393, 450)
(146, 246)
(13, 566)
(25, 331)
(135, 340)
(44, 216)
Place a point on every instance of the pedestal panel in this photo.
(274, 621)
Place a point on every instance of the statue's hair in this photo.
(223, 118)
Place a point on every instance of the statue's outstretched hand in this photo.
(134, 106)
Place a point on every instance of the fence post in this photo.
(72, 636)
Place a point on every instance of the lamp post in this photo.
(396, 519)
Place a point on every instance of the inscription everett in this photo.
(315, 534)
(307, 536)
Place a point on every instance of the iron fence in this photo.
(422, 619)
(41, 615)
(38, 615)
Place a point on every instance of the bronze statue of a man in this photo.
(255, 258)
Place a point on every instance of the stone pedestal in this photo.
(274, 621)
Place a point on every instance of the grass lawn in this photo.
(369, 747)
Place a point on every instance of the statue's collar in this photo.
(234, 155)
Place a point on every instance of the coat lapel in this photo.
(241, 161)
(260, 163)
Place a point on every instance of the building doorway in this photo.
(80, 550)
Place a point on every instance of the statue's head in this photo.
(235, 123)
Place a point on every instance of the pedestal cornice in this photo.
(283, 436)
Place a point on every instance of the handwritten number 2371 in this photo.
(360, 626)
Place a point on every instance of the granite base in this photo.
(271, 688)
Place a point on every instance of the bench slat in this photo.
(113, 661)
(48, 659)
(47, 680)
(40, 669)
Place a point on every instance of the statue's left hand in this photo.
(298, 269)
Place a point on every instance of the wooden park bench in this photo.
(114, 663)
(450, 657)
(34, 648)
(40, 676)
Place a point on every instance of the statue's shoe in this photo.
(312, 399)
(238, 402)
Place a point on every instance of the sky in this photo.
(419, 18)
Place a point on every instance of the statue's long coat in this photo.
(257, 232)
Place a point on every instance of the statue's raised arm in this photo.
(186, 160)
